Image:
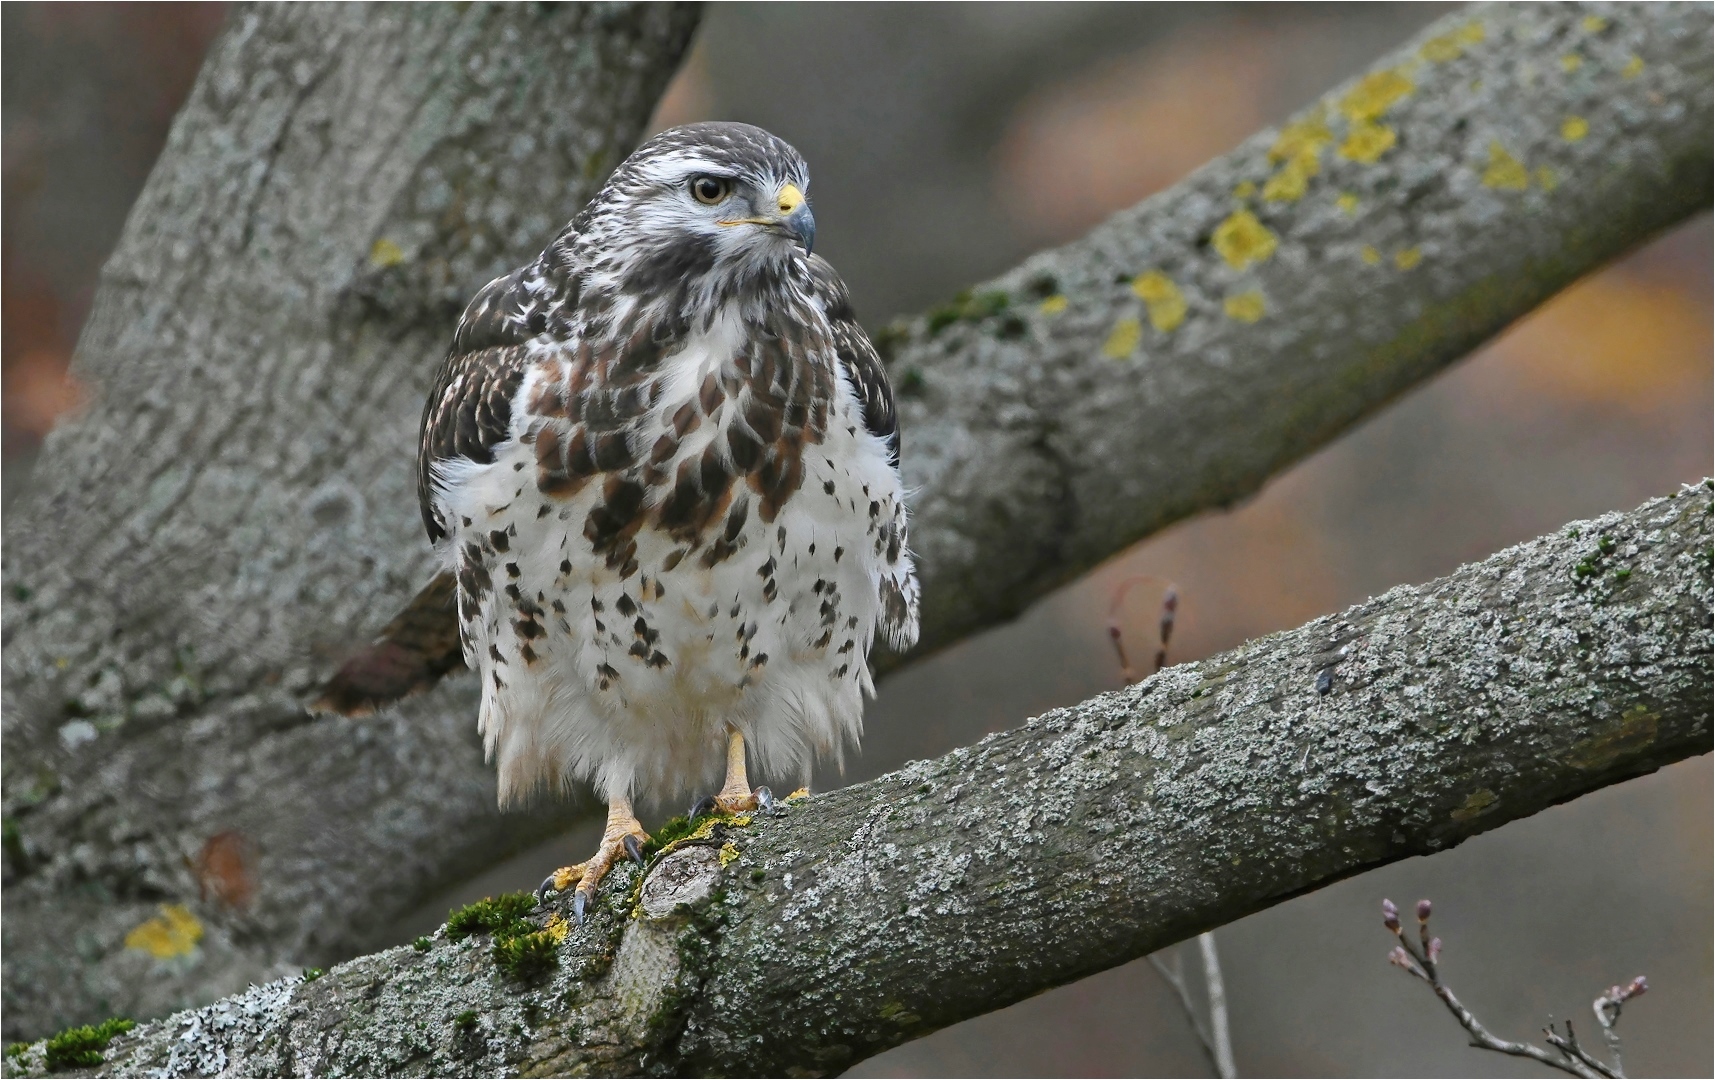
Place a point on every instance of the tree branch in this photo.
(234, 512)
(1183, 353)
(1086, 837)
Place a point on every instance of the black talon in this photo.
(634, 848)
(578, 906)
(545, 888)
(765, 802)
(704, 805)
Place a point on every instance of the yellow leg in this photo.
(624, 835)
(735, 796)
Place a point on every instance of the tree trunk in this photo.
(1089, 836)
(234, 508)
(235, 512)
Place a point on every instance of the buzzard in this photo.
(661, 466)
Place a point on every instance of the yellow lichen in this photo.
(1475, 804)
(1124, 338)
(1505, 171)
(1593, 24)
(1246, 307)
(1407, 258)
(1306, 135)
(1634, 67)
(1571, 62)
(1347, 202)
(1636, 731)
(1165, 302)
(385, 253)
(1546, 179)
(557, 929)
(1370, 255)
(1054, 305)
(1290, 183)
(804, 792)
(1367, 143)
(1574, 128)
(1245, 189)
(174, 932)
(728, 853)
(1452, 45)
(1243, 240)
(1374, 95)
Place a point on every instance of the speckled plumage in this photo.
(662, 461)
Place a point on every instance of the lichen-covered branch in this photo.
(1189, 349)
(234, 509)
(871, 915)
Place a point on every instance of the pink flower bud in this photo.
(1423, 909)
(1398, 958)
(1390, 916)
(1434, 950)
(1637, 987)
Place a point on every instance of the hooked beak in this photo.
(790, 215)
(795, 216)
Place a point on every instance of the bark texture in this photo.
(875, 914)
(234, 510)
(1195, 345)
(235, 513)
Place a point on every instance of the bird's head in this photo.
(701, 208)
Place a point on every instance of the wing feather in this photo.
(858, 357)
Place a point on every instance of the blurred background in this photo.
(946, 143)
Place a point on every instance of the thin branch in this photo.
(1422, 960)
(1224, 1063)
(1174, 976)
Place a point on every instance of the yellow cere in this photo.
(384, 253)
(1452, 45)
(1246, 307)
(1634, 67)
(1408, 258)
(1571, 62)
(1054, 305)
(728, 853)
(1546, 179)
(1370, 255)
(1594, 24)
(1374, 95)
(1123, 340)
(1574, 128)
(557, 928)
(1505, 171)
(1245, 189)
(1367, 142)
(1165, 302)
(174, 932)
(1347, 202)
(1243, 240)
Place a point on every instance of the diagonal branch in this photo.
(1086, 837)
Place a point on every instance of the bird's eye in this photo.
(710, 190)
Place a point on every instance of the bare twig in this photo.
(1422, 959)
(1216, 1036)
(1174, 976)
(1217, 987)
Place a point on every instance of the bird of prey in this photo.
(661, 465)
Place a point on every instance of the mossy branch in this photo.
(1088, 836)
(1192, 347)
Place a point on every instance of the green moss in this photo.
(521, 950)
(969, 307)
(422, 944)
(465, 1019)
(17, 1049)
(672, 831)
(12, 844)
(1043, 286)
(911, 383)
(81, 1047)
(21, 592)
(758, 875)
(312, 974)
(1622, 574)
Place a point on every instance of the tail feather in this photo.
(413, 653)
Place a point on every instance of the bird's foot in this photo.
(622, 839)
(731, 803)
